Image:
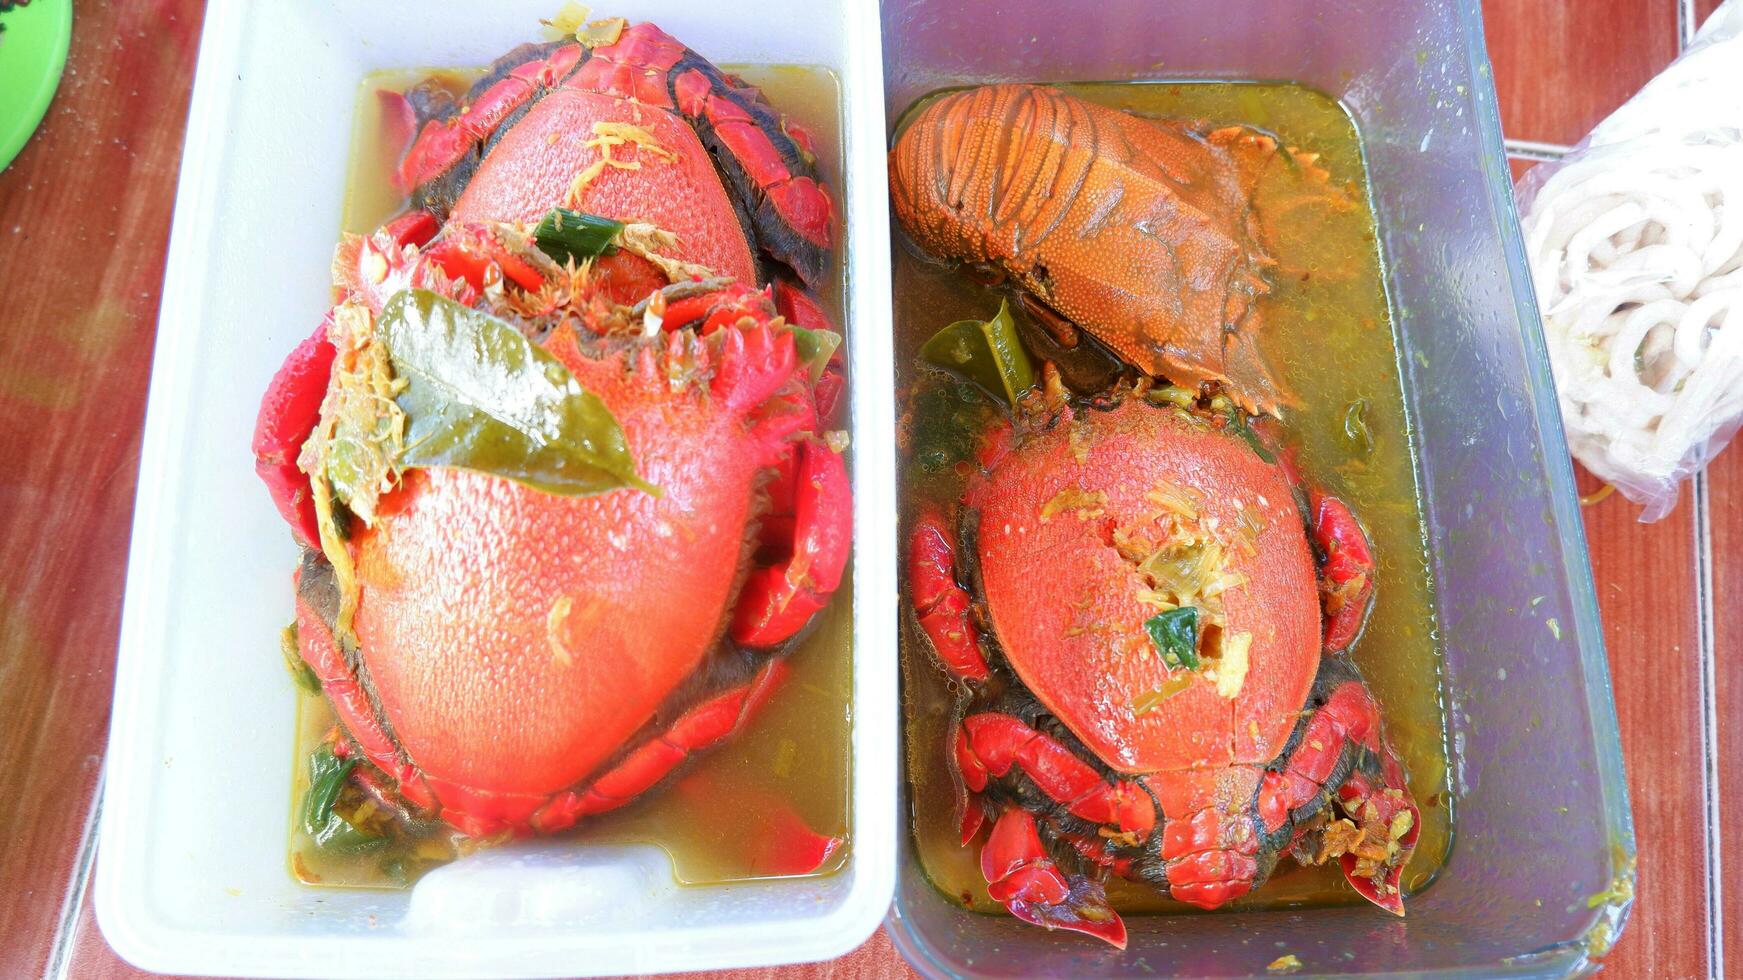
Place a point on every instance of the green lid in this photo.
(33, 49)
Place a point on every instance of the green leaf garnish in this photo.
(480, 396)
(341, 836)
(986, 352)
(327, 775)
(567, 235)
(330, 830)
(815, 348)
(1175, 634)
(300, 672)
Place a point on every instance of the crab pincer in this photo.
(1024, 878)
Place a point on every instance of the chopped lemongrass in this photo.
(1149, 701)
(567, 21)
(600, 33)
(1085, 504)
(1174, 500)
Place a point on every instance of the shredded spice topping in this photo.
(571, 22)
(611, 134)
(1183, 558)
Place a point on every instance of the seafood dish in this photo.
(565, 458)
(1146, 610)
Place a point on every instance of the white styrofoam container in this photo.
(191, 867)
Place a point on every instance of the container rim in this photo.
(1609, 919)
(131, 923)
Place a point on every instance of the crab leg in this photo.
(1339, 752)
(447, 139)
(990, 743)
(1346, 569)
(942, 604)
(711, 311)
(351, 703)
(768, 158)
(707, 724)
(1021, 876)
(289, 411)
(778, 600)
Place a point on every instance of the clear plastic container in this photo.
(1541, 870)
(191, 874)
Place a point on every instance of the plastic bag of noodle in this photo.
(1635, 241)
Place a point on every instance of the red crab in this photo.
(516, 659)
(1090, 740)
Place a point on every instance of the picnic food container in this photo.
(1540, 873)
(191, 873)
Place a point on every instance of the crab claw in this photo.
(791, 847)
(289, 411)
(773, 838)
(1025, 880)
(777, 601)
(1346, 569)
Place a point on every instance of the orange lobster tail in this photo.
(1140, 231)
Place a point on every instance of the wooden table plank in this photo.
(1725, 512)
(1645, 576)
(1653, 638)
(84, 220)
(1563, 65)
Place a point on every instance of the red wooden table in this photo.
(84, 220)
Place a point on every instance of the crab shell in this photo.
(1068, 617)
(517, 640)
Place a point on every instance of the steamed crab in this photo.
(513, 638)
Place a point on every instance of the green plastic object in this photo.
(33, 50)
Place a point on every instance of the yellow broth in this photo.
(715, 816)
(1329, 336)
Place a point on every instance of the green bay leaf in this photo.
(985, 352)
(480, 396)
